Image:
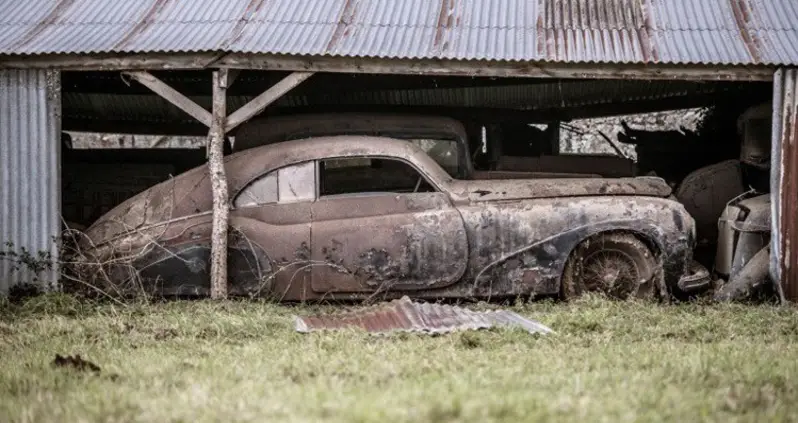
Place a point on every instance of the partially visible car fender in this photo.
(536, 267)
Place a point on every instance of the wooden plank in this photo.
(173, 96)
(471, 68)
(259, 103)
(123, 126)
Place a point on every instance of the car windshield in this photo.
(443, 151)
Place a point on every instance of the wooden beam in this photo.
(132, 126)
(441, 67)
(504, 69)
(173, 96)
(158, 141)
(197, 83)
(259, 103)
(232, 75)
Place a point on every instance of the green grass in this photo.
(240, 361)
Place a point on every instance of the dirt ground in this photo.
(242, 361)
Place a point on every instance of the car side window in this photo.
(285, 185)
(364, 175)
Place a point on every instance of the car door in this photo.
(378, 224)
(272, 215)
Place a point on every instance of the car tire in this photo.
(616, 265)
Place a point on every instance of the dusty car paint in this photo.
(470, 238)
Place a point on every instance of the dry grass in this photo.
(241, 361)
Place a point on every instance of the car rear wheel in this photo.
(617, 265)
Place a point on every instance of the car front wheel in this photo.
(617, 265)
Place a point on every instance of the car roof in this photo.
(248, 164)
(272, 129)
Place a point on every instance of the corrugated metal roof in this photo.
(614, 31)
(30, 187)
(540, 96)
(404, 315)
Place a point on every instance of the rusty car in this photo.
(353, 217)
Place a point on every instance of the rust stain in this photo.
(789, 204)
(252, 8)
(145, 22)
(742, 17)
(58, 10)
(541, 30)
(547, 36)
(342, 30)
(446, 22)
(649, 49)
(602, 23)
(579, 30)
(404, 315)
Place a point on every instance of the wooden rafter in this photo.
(259, 103)
(173, 96)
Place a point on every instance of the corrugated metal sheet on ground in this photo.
(613, 31)
(30, 191)
(404, 315)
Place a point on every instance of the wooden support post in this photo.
(259, 103)
(219, 186)
(173, 96)
(220, 124)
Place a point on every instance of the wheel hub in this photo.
(611, 272)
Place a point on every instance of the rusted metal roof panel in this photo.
(30, 171)
(743, 32)
(784, 184)
(404, 315)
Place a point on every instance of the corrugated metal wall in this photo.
(784, 183)
(30, 174)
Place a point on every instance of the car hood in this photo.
(517, 189)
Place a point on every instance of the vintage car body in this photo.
(462, 238)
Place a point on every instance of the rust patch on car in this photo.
(303, 252)
(404, 315)
(377, 266)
